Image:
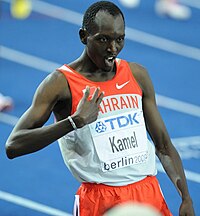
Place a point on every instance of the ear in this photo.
(83, 36)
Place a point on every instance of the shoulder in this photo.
(138, 70)
(55, 84)
(55, 77)
(141, 75)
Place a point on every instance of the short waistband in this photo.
(147, 179)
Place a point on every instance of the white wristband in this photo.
(72, 122)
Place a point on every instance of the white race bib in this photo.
(120, 140)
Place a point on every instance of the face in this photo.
(106, 40)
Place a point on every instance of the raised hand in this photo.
(88, 109)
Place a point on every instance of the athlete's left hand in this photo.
(186, 208)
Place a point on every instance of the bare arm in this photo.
(29, 135)
(165, 150)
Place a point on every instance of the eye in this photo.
(120, 39)
(103, 39)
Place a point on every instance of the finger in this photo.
(99, 99)
(95, 95)
(86, 93)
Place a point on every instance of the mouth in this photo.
(110, 60)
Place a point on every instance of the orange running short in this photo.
(95, 199)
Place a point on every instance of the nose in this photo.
(112, 46)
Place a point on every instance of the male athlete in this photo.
(103, 107)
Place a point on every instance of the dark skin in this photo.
(53, 95)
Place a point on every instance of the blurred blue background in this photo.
(40, 184)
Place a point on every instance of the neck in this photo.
(87, 68)
(85, 64)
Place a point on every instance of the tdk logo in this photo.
(117, 122)
(100, 127)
